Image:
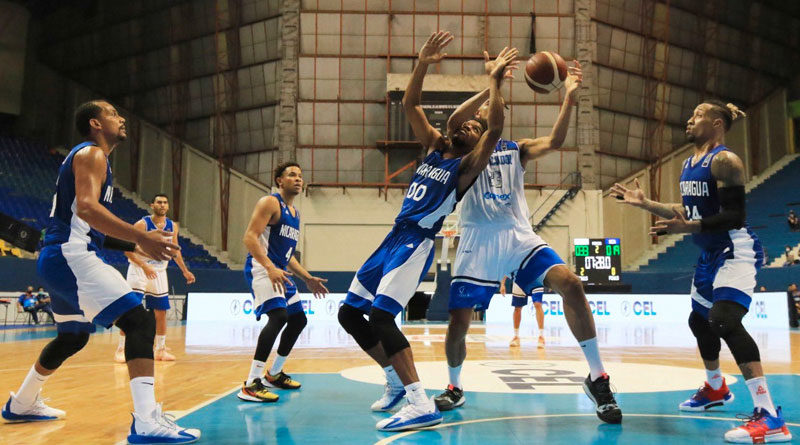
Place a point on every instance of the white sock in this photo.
(760, 393)
(144, 395)
(277, 365)
(592, 355)
(392, 378)
(121, 344)
(256, 371)
(455, 376)
(30, 387)
(415, 394)
(714, 379)
(161, 341)
(516, 332)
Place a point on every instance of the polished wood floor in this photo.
(94, 390)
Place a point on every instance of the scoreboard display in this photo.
(597, 260)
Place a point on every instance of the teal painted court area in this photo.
(331, 409)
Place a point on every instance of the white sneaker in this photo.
(162, 355)
(391, 397)
(159, 428)
(13, 411)
(410, 417)
(119, 355)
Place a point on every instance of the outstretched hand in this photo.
(489, 65)
(431, 51)
(678, 224)
(634, 197)
(506, 60)
(574, 78)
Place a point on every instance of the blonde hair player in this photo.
(713, 211)
(149, 277)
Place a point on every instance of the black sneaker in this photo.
(600, 392)
(452, 397)
(281, 380)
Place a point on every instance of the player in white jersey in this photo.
(149, 277)
(497, 240)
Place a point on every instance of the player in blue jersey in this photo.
(271, 240)
(389, 277)
(713, 211)
(149, 277)
(86, 291)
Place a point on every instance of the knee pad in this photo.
(278, 317)
(725, 317)
(698, 324)
(64, 346)
(139, 326)
(386, 330)
(354, 323)
(297, 321)
(707, 341)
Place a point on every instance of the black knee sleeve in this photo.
(707, 342)
(355, 324)
(725, 319)
(294, 326)
(266, 339)
(386, 330)
(139, 326)
(64, 346)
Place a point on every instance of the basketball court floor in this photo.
(519, 395)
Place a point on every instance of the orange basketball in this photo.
(545, 72)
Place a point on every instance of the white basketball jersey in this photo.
(498, 195)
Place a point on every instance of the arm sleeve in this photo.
(731, 214)
(117, 244)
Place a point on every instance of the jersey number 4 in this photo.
(416, 191)
(692, 214)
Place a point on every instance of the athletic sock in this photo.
(144, 396)
(392, 378)
(161, 341)
(277, 365)
(256, 371)
(714, 379)
(592, 354)
(121, 344)
(760, 393)
(30, 387)
(516, 332)
(455, 376)
(415, 394)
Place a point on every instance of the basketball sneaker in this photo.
(14, 412)
(600, 392)
(452, 397)
(411, 416)
(281, 380)
(514, 342)
(119, 355)
(761, 427)
(391, 397)
(159, 428)
(256, 392)
(163, 355)
(541, 342)
(706, 398)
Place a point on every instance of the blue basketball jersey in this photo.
(150, 226)
(431, 194)
(64, 225)
(701, 199)
(282, 236)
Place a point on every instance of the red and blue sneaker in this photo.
(707, 397)
(761, 427)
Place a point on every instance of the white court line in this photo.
(391, 439)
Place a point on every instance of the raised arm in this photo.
(636, 198)
(430, 53)
(89, 168)
(533, 148)
(475, 161)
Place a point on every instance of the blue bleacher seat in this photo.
(28, 172)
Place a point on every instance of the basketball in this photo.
(545, 72)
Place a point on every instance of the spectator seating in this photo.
(28, 172)
(767, 207)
